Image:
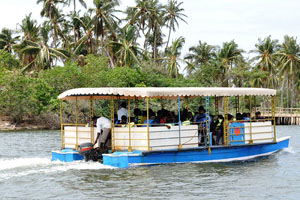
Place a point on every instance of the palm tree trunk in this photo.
(102, 44)
(74, 1)
(292, 91)
(287, 92)
(282, 93)
(272, 80)
(111, 61)
(168, 37)
(55, 33)
(75, 38)
(154, 45)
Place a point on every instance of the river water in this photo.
(26, 172)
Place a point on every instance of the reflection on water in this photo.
(26, 172)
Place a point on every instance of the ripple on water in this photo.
(26, 172)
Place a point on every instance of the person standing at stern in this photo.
(103, 131)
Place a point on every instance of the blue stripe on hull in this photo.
(218, 154)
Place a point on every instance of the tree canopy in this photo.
(93, 47)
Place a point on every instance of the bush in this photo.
(23, 96)
(8, 61)
(64, 78)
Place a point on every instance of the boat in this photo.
(147, 144)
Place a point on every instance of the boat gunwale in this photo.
(214, 147)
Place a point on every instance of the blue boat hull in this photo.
(217, 154)
(66, 155)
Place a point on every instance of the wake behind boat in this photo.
(166, 137)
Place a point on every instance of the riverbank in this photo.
(41, 123)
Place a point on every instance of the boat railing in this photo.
(73, 135)
(251, 132)
(131, 137)
(161, 136)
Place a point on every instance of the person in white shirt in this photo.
(103, 130)
(123, 111)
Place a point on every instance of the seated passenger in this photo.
(245, 116)
(137, 116)
(258, 115)
(239, 117)
(190, 116)
(144, 116)
(93, 122)
(230, 118)
(219, 129)
(123, 121)
(185, 120)
(201, 116)
(123, 111)
(171, 118)
(151, 121)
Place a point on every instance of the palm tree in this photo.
(202, 54)
(29, 28)
(155, 23)
(289, 62)
(44, 55)
(172, 57)
(51, 11)
(138, 14)
(127, 50)
(30, 31)
(86, 39)
(266, 58)
(190, 66)
(229, 55)
(7, 40)
(104, 19)
(172, 15)
(82, 2)
(64, 29)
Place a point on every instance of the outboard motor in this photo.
(89, 153)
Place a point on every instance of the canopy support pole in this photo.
(273, 116)
(148, 138)
(129, 127)
(76, 118)
(61, 126)
(179, 124)
(237, 105)
(216, 105)
(207, 125)
(91, 118)
(250, 110)
(254, 107)
(186, 103)
(112, 119)
(225, 134)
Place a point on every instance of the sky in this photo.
(211, 21)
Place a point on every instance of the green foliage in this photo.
(94, 73)
(8, 61)
(123, 77)
(63, 78)
(23, 96)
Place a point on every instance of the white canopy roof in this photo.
(165, 92)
